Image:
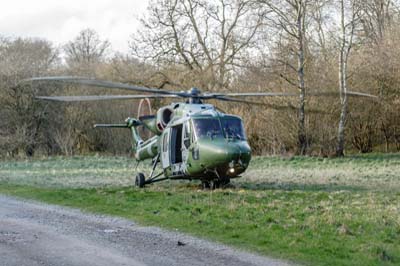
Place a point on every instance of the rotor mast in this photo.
(194, 97)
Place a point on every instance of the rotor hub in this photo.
(194, 91)
(194, 95)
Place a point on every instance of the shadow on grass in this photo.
(259, 186)
(374, 157)
(291, 186)
(354, 158)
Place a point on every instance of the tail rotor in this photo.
(144, 109)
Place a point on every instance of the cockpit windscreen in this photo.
(227, 127)
(207, 127)
(233, 128)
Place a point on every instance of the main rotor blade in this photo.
(249, 94)
(101, 97)
(349, 93)
(268, 105)
(104, 84)
(273, 106)
(285, 94)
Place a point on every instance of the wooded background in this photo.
(220, 45)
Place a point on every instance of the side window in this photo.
(193, 138)
(165, 142)
(186, 131)
(186, 135)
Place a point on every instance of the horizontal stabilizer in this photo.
(112, 125)
(146, 117)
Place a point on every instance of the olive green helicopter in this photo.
(192, 139)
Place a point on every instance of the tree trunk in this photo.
(302, 139)
(341, 136)
(343, 57)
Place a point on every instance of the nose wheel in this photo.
(205, 184)
(213, 184)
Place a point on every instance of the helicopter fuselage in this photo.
(198, 142)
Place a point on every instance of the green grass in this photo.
(309, 210)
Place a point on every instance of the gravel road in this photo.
(33, 234)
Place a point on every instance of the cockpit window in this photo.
(233, 128)
(207, 127)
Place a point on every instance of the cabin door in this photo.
(165, 147)
(176, 149)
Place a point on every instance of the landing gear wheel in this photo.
(205, 184)
(215, 184)
(225, 181)
(140, 180)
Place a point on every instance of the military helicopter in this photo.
(192, 139)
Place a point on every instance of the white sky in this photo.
(61, 20)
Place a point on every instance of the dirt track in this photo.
(38, 234)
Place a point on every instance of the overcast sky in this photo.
(60, 20)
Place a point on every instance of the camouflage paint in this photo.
(208, 157)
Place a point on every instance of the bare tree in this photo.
(377, 16)
(291, 16)
(86, 55)
(87, 48)
(209, 38)
(348, 26)
(22, 116)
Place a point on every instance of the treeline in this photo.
(300, 46)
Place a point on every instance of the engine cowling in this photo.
(159, 122)
(164, 116)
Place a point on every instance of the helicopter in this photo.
(192, 139)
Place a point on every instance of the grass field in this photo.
(310, 210)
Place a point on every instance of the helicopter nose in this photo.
(225, 153)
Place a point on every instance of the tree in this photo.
(86, 55)
(22, 116)
(376, 16)
(290, 16)
(86, 49)
(209, 38)
(348, 26)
